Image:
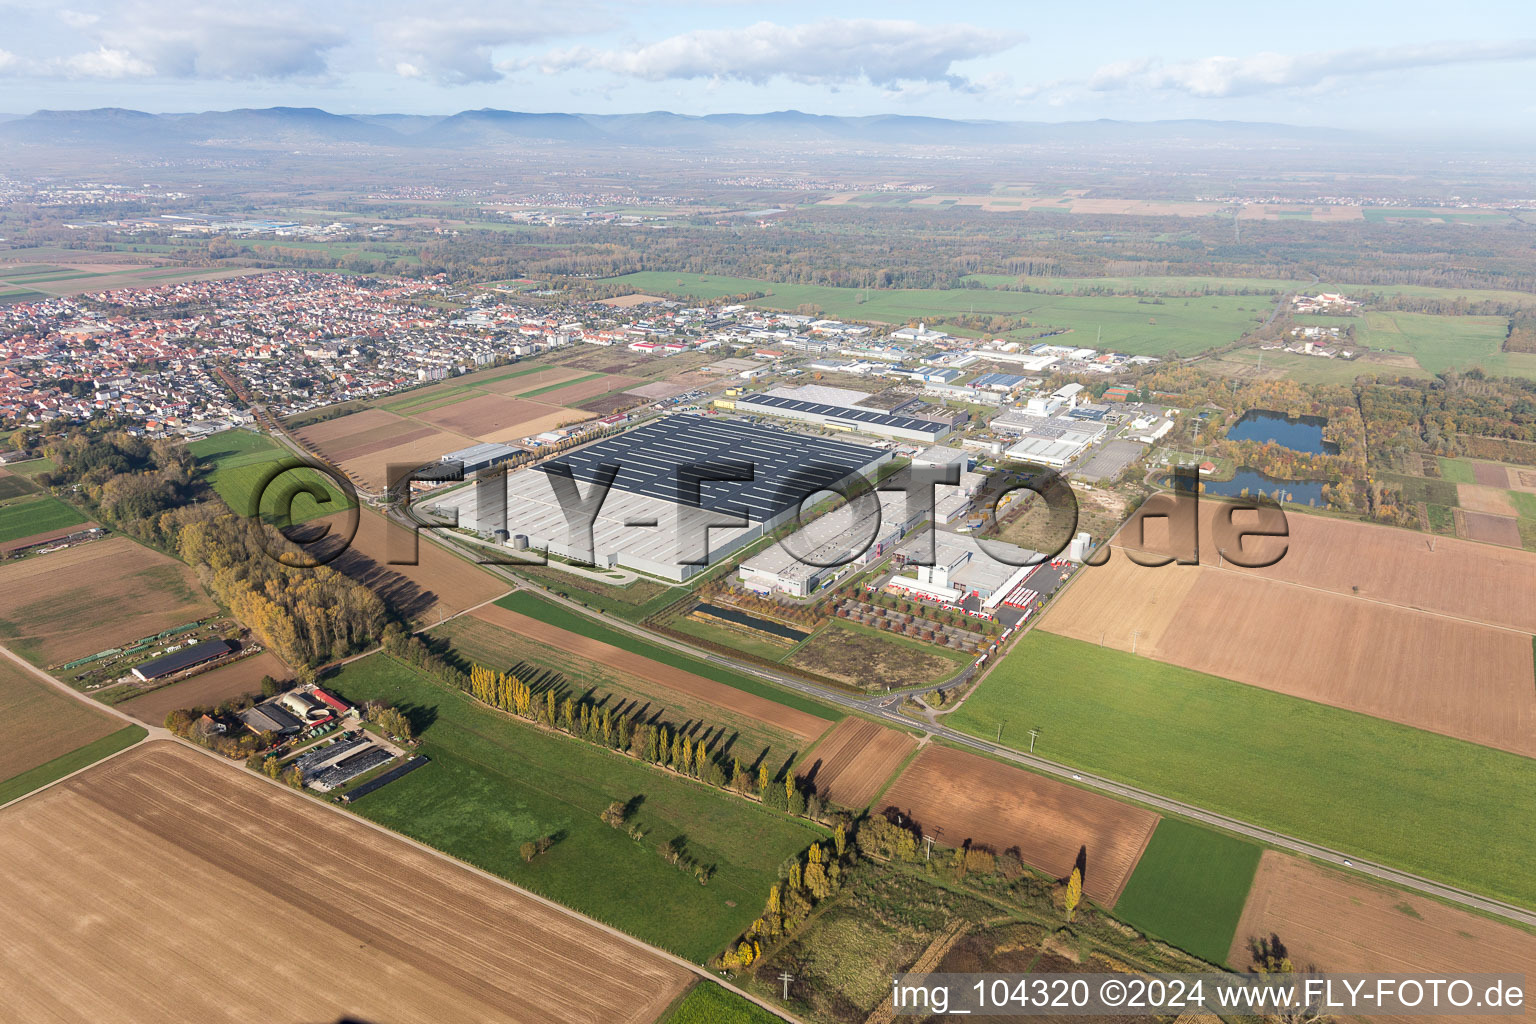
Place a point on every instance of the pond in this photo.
(1300, 492)
(1299, 433)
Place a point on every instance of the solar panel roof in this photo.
(842, 412)
(670, 457)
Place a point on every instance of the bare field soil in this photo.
(958, 797)
(206, 689)
(330, 432)
(855, 759)
(1402, 567)
(127, 882)
(1376, 652)
(421, 448)
(1490, 529)
(1491, 474)
(1479, 498)
(628, 301)
(870, 661)
(483, 415)
(762, 709)
(559, 417)
(1343, 923)
(544, 377)
(439, 585)
(38, 723)
(1458, 678)
(574, 394)
(61, 606)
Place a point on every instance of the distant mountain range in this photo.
(287, 127)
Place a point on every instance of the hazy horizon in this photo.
(1369, 68)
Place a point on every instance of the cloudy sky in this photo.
(1406, 67)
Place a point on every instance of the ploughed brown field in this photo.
(206, 689)
(439, 585)
(1487, 527)
(1341, 923)
(38, 723)
(1492, 474)
(1435, 638)
(65, 605)
(542, 377)
(806, 726)
(485, 415)
(958, 797)
(855, 759)
(147, 889)
(572, 394)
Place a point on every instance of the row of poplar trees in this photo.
(658, 743)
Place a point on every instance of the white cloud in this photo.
(458, 48)
(1265, 72)
(105, 63)
(827, 52)
(78, 19)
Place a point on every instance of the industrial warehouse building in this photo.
(834, 407)
(652, 519)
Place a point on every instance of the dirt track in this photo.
(800, 723)
(854, 761)
(1341, 923)
(161, 887)
(956, 796)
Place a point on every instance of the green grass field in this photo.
(1440, 343)
(708, 1003)
(28, 515)
(1415, 800)
(243, 470)
(495, 782)
(1189, 888)
(32, 468)
(1260, 285)
(546, 611)
(1129, 324)
(1456, 471)
(73, 761)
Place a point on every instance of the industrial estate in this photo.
(770, 561)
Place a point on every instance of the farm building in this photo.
(662, 515)
(180, 661)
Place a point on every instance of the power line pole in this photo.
(1033, 733)
(786, 978)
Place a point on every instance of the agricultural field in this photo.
(206, 689)
(32, 516)
(532, 606)
(71, 272)
(245, 469)
(1401, 618)
(1440, 343)
(959, 797)
(402, 934)
(1340, 922)
(440, 584)
(495, 782)
(38, 723)
(1130, 324)
(71, 603)
(851, 765)
(781, 717)
(708, 1003)
(1189, 888)
(867, 659)
(1416, 800)
(657, 693)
